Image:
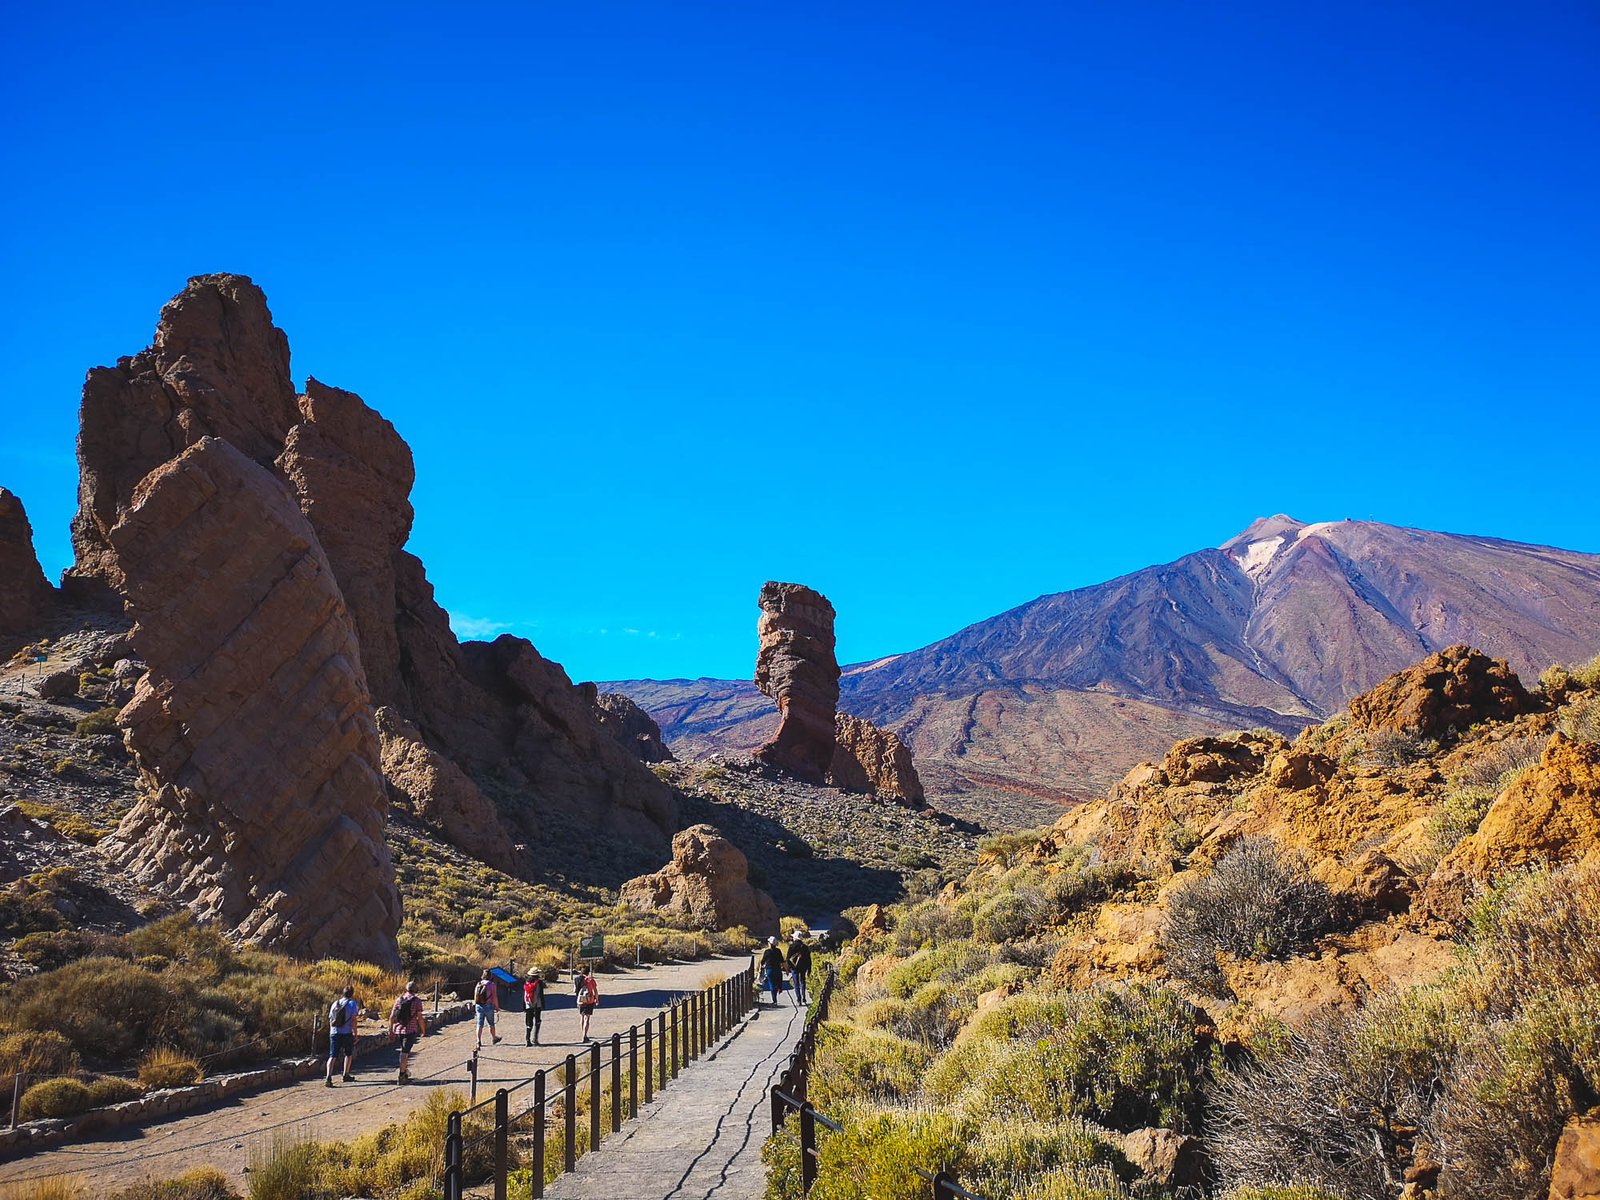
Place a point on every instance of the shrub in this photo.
(45, 1189)
(927, 922)
(55, 1098)
(36, 1052)
(102, 720)
(1580, 720)
(284, 1169)
(1254, 904)
(164, 1067)
(1008, 916)
(877, 1155)
(853, 1063)
(1288, 1191)
(1075, 1183)
(1023, 1151)
(948, 962)
(205, 1183)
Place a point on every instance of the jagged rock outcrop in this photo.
(869, 759)
(1549, 814)
(628, 724)
(796, 666)
(1575, 1174)
(217, 367)
(263, 801)
(439, 794)
(1453, 689)
(25, 594)
(708, 882)
(353, 474)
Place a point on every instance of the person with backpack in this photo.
(342, 1014)
(407, 1024)
(799, 967)
(533, 1006)
(486, 999)
(588, 991)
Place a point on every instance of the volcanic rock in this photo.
(58, 685)
(629, 724)
(25, 594)
(1165, 1158)
(1576, 1173)
(439, 794)
(353, 474)
(1453, 689)
(708, 882)
(262, 804)
(797, 668)
(217, 367)
(869, 759)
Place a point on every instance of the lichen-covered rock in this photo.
(708, 882)
(217, 367)
(869, 759)
(796, 666)
(1453, 689)
(262, 803)
(633, 728)
(439, 794)
(25, 594)
(1549, 814)
(1576, 1174)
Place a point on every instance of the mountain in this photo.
(1045, 705)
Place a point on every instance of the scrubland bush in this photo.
(165, 1067)
(55, 1098)
(1009, 916)
(852, 1063)
(1580, 720)
(876, 1156)
(1075, 1183)
(1255, 904)
(928, 922)
(947, 962)
(102, 720)
(44, 1189)
(207, 1183)
(36, 1052)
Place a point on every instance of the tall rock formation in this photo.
(263, 802)
(796, 666)
(628, 724)
(25, 593)
(219, 367)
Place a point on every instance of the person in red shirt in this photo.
(533, 1006)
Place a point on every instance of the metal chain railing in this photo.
(789, 1094)
(652, 1053)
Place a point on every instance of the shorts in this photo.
(586, 1009)
(408, 1041)
(342, 1045)
(485, 1016)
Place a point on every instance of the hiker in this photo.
(772, 968)
(799, 966)
(407, 1024)
(342, 1014)
(487, 1000)
(588, 990)
(533, 1006)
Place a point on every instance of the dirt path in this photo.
(225, 1135)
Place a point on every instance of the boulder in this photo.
(25, 594)
(261, 803)
(1576, 1174)
(797, 669)
(707, 882)
(439, 794)
(869, 759)
(628, 724)
(1165, 1158)
(1453, 689)
(58, 685)
(1219, 759)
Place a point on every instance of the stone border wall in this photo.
(34, 1136)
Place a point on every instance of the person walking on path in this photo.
(588, 990)
(487, 1000)
(533, 1006)
(342, 1015)
(799, 966)
(407, 1024)
(772, 968)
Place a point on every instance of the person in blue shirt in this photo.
(342, 1014)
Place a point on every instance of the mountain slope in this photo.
(1277, 627)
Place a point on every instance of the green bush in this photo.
(55, 1098)
(853, 1063)
(877, 1155)
(1075, 1183)
(205, 1183)
(1253, 905)
(112, 1089)
(102, 720)
(1007, 917)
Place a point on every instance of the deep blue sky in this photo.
(935, 307)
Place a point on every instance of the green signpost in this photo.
(593, 946)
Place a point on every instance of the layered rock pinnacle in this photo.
(459, 721)
(263, 803)
(797, 667)
(25, 593)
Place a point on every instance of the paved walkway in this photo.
(224, 1135)
(701, 1138)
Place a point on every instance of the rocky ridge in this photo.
(25, 594)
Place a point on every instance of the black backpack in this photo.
(480, 994)
(337, 1012)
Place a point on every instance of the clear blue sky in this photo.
(935, 307)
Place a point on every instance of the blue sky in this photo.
(934, 307)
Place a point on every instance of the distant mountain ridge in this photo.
(1277, 627)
